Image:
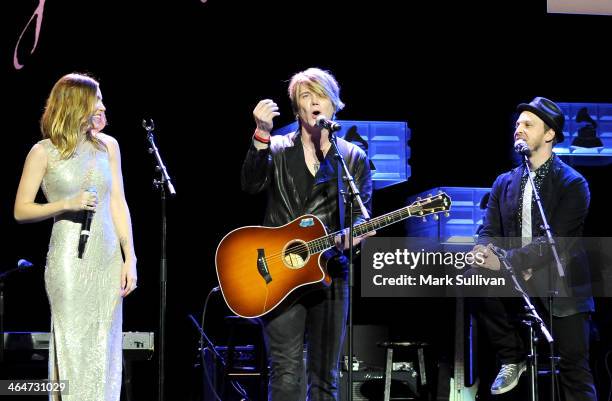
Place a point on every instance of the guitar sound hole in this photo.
(296, 255)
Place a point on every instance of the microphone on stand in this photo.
(521, 147)
(331, 126)
(23, 264)
(85, 227)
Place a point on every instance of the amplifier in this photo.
(136, 345)
(243, 357)
(369, 385)
(27, 354)
(244, 369)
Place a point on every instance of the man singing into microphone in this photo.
(513, 214)
(301, 176)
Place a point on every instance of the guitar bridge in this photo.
(262, 266)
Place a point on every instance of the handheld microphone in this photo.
(23, 263)
(85, 227)
(331, 126)
(521, 147)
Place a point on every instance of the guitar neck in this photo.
(459, 344)
(328, 241)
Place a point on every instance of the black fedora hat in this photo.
(549, 112)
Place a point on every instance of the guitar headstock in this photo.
(433, 204)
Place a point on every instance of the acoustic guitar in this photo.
(258, 267)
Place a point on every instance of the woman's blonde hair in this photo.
(68, 112)
(320, 82)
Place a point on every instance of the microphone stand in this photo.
(560, 271)
(161, 184)
(532, 318)
(349, 197)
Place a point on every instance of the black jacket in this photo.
(565, 199)
(267, 169)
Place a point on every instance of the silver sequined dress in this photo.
(84, 294)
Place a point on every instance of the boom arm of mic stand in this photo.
(549, 237)
(348, 177)
(8, 272)
(501, 254)
(160, 164)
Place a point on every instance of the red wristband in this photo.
(259, 138)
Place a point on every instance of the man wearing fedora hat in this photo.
(512, 221)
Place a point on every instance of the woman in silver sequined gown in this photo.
(79, 170)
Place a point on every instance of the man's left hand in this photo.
(489, 259)
(342, 240)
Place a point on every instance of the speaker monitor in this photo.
(369, 385)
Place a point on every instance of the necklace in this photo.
(316, 155)
(312, 159)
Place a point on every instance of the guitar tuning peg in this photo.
(418, 198)
(446, 214)
(429, 195)
(435, 217)
(424, 219)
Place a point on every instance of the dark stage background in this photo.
(455, 72)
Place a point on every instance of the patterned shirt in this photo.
(540, 173)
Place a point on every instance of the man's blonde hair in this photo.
(318, 81)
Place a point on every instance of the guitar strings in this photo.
(370, 224)
(322, 241)
(305, 247)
